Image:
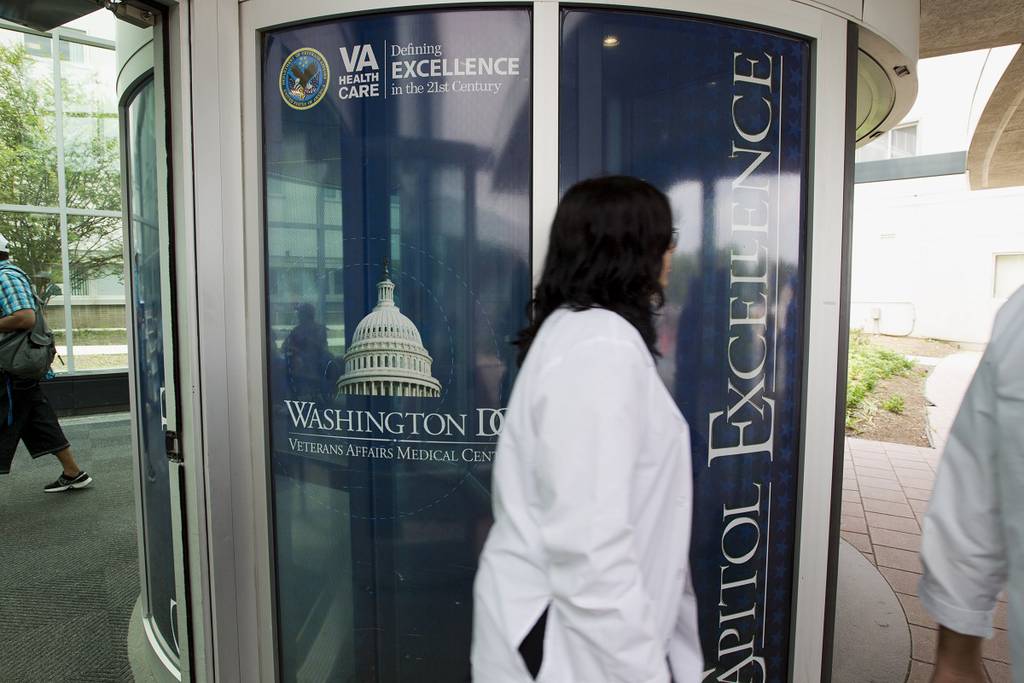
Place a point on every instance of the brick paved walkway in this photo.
(886, 488)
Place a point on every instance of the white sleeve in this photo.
(590, 422)
(962, 548)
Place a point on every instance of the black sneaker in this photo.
(66, 483)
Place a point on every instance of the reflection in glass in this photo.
(147, 309)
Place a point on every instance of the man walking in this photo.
(25, 413)
(973, 542)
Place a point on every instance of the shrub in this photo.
(894, 404)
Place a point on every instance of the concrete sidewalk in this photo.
(945, 389)
(95, 350)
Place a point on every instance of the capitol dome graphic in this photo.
(387, 356)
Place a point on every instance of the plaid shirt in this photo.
(15, 291)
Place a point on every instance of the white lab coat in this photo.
(973, 541)
(592, 511)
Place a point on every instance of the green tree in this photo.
(28, 172)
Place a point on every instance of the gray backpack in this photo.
(28, 354)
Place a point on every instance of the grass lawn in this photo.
(91, 337)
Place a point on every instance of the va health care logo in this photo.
(304, 78)
(362, 77)
(407, 65)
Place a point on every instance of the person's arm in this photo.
(963, 550)
(590, 419)
(23, 319)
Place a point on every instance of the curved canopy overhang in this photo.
(995, 157)
(48, 15)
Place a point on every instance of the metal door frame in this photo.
(157, 76)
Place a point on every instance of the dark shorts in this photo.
(33, 422)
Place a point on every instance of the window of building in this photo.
(1009, 275)
(37, 46)
(72, 52)
(61, 184)
(897, 143)
(903, 141)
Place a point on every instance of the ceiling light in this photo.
(610, 41)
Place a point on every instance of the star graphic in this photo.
(788, 427)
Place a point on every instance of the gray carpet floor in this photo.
(69, 568)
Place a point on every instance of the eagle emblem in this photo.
(304, 78)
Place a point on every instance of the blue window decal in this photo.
(397, 205)
(716, 116)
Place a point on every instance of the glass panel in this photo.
(715, 115)
(91, 156)
(147, 321)
(398, 271)
(35, 248)
(28, 146)
(96, 258)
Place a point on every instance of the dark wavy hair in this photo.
(608, 239)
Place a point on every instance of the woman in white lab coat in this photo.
(585, 576)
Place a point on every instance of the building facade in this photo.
(914, 273)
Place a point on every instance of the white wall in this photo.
(924, 249)
(924, 256)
